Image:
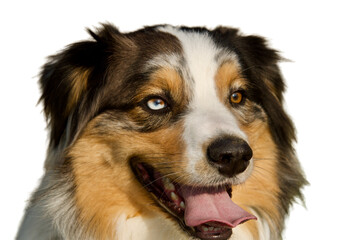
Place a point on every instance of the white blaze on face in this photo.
(208, 116)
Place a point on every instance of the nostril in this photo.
(229, 154)
(225, 158)
(245, 152)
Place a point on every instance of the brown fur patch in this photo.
(260, 191)
(167, 84)
(227, 77)
(165, 79)
(272, 89)
(106, 186)
(79, 81)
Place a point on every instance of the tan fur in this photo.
(227, 76)
(169, 79)
(261, 189)
(103, 174)
(271, 88)
(79, 83)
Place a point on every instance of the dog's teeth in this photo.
(168, 184)
(174, 197)
(170, 187)
(205, 229)
(182, 205)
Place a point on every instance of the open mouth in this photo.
(203, 212)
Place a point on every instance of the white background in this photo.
(321, 38)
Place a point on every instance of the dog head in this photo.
(186, 123)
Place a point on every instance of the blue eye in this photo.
(156, 104)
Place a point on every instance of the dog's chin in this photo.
(170, 195)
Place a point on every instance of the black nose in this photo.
(229, 154)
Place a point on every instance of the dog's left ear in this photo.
(258, 59)
(71, 83)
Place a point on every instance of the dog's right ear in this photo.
(70, 83)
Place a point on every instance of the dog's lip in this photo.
(169, 195)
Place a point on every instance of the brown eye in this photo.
(236, 97)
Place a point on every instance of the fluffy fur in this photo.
(96, 97)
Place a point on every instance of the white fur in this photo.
(164, 61)
(264, 229)
(53, 216)
(208, 116)
(241, 232)
(142, 228)
(145, 228)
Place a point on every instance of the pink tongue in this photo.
(211, 205)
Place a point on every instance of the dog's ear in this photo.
(70, 83)
(263, 62)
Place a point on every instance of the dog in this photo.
(165, 133)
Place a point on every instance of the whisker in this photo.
(169, 174)
(165, 162)
(248, 68)
(257, 168)
(161, 154)
(259, 159)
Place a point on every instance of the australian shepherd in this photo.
(165, 133)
